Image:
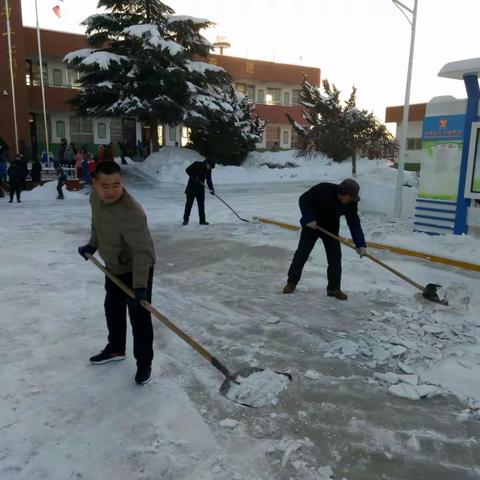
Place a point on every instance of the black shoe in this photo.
(106, 356)
(10, 201)
(19, 201)
(185, 222)
(60, 198)
(204, 223)
(144, 373)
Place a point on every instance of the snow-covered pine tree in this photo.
(339, 131)
(140, 63)
(223, 125)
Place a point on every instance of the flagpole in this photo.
(10, 58)
(47, 146)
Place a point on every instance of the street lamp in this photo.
(403, 131)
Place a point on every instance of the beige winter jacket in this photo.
(120, 233)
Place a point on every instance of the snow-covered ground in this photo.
(62, 418)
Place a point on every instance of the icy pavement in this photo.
(62, 418)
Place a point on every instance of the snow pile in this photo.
(151, 34)
(48, 191)
(259, 389)
(202, 67)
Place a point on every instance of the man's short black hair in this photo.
(108, 168)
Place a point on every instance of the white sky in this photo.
(361, 42)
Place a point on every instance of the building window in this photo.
(273, 96)
(261, 96)
(28, 72)
(57, 77)
(172, 134)
(294, 143)
(414, 143)
(36, 73)
(272, 136)
(185, 136)
(286, 98)
(296, 97)
(60, 128)
(285, 137)
(247, 90)
(81, 130)
(160, 134)
(73, 78)
(102, 130)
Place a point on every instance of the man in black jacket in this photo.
(198, 173)
(323, 205)
(16, 178)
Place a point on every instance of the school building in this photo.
(272, 87)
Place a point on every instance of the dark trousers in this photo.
(193, 195)
(308, 238)
(116, 302)
(15, 190)
(60, 184)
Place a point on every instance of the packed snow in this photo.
(258, 389)
(202, 67)
(383, 383)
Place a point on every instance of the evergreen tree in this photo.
(339, 131)
(223, 126)
(140, 63)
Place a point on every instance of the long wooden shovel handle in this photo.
(148, 306)
(374, 259)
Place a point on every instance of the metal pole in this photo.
(403, 130)
(14, 103)
(47, 146)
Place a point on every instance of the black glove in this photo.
(84, 249)
(140, 294)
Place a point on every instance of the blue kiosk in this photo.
(449, 190)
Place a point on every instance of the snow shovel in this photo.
(224, 202)
(429, 292)
(230, 378)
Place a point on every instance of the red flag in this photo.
(56, 11)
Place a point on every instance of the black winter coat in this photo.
(196, 172)
(16, 174)
(321, 204)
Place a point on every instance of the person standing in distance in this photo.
(120, 233)
(323, 205)
(198, 173)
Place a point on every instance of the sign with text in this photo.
(442, 144)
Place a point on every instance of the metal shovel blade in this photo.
(242, 374)
(430, 293)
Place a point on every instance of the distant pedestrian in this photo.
(3, 174)
(36, 172)
(16, 178)
(123, 152)
(61, 151)
(85, 172)
(140, 148)
(79, 157)
(61, 180)
(110, 154)
(198, 173)
(4, 149)
(73, 148)
(25, 152)
(46, 159)
(92, 165)
(101, 154)
(69, 157)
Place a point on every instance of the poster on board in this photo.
(472, 186)
(442, 145)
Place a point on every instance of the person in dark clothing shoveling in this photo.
(120, 233)
(198, 173)
(323, 205)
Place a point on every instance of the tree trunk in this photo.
(354, 163)
(153, 123)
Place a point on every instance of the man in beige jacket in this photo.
(121, 236)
